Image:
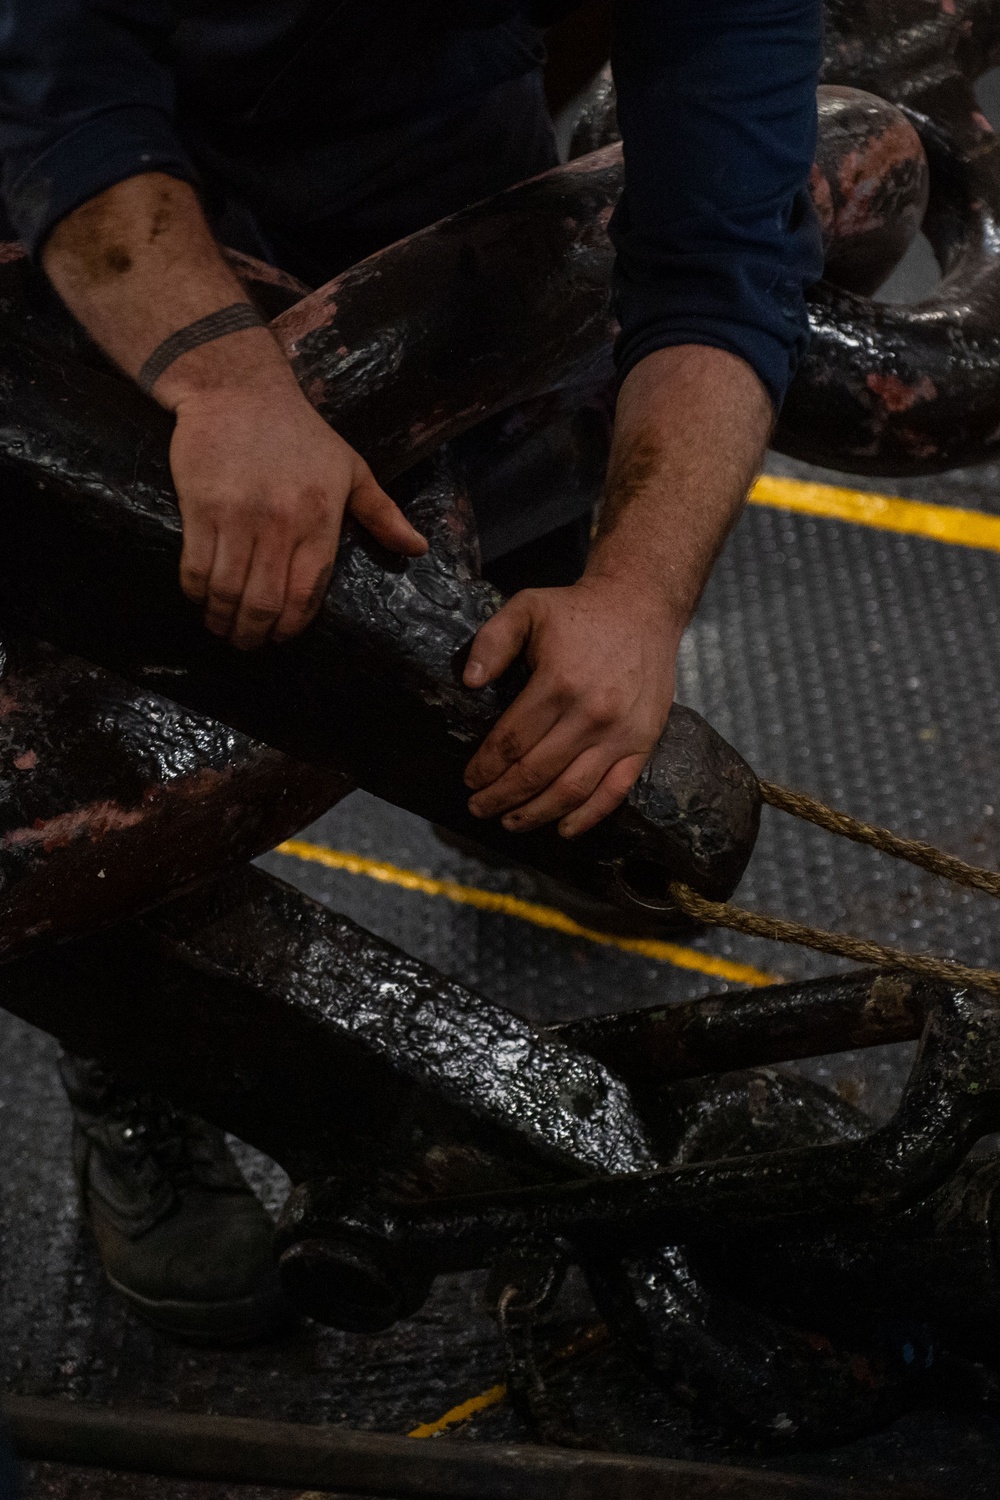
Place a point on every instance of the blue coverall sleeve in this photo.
(715, 234)
(86, 100)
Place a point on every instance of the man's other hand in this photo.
(690, 430)
(574, 741)
(263, 485)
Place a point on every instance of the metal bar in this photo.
(912, 388)
(112, 797)
(753, 1027)
(249, 1451)
(373, 688)
(284, 996)
(951, 1099)
(399, 352)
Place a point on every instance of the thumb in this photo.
(371, 507)
(498, 643)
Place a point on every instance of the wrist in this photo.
(634, 588)
(238, 365)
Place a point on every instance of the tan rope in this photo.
(861, 950)
(723, 914)
(925, 856)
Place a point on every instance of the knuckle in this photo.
(513, 613)
(223, 598)
(508, 746)
(596, 720)
(301, 601)
(574, 789)
(314, 506)
(620, 779)
(562, 687)
(601, 710)
(272, 511)
(203, 508)
(276, 517)
(259, 611)
(287, 628)
(491, 632)
(531, 780)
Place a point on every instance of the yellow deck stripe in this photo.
(461, 1413)
(526, 911)
(589, 1342)
(942, 523)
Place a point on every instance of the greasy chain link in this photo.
(842, 945)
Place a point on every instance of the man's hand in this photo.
(577, 737)
(263, 485)
(690, 432)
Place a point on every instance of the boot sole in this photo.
(246, 1320)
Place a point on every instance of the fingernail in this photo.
(510, 822)
(475, 674)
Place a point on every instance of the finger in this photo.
(308, 580)
(568, 791)
(263, 597)
(196, 559)
(532, 715)
(529, 776)
(371, 507)
(611, 792)
(230, 566)
(498, 643)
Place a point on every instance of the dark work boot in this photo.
(179, 1232)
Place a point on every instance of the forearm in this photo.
(139, 262)
(690, 431)
(262, 482)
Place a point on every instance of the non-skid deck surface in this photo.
(857, 663)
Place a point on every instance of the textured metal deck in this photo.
(843, 659)
(858, 664)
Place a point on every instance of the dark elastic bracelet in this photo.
(215, 326)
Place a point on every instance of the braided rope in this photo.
(842, 945)
(861, 950)
(925, 856)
